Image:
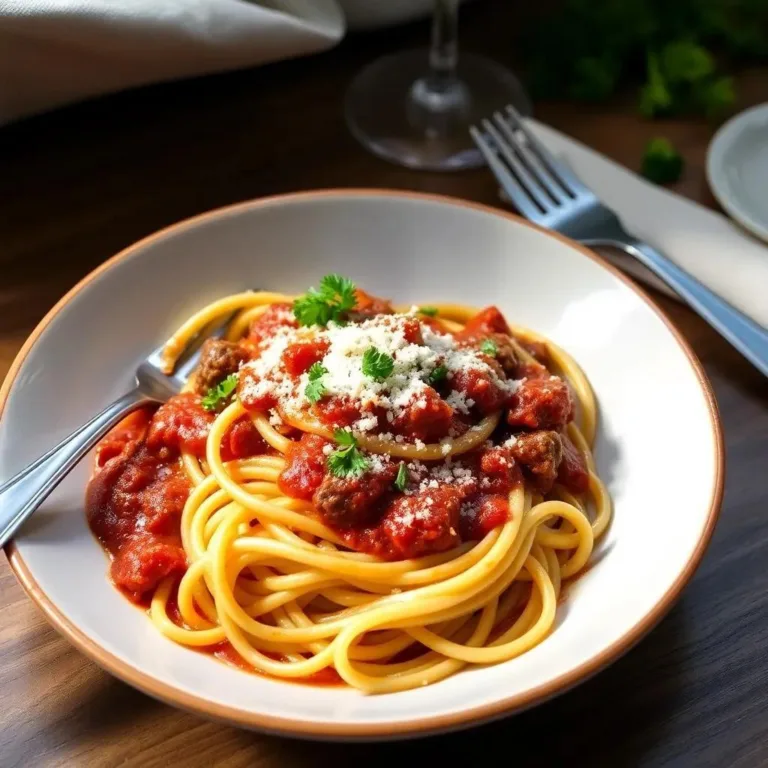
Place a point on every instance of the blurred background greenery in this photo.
(678, 53)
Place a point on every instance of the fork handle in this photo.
(742, 332)
(26, 491)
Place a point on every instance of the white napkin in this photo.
(53, 52)
(57, 51)
(706, 244)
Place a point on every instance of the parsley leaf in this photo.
(437, 375)
(377, 365)
(218, 395)
(316, 371)
(489, 347)
(318, 306)
(316, 388)
(345, 437)
(428, 311)
(401, 481)
(349, 460)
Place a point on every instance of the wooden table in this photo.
(80, 184)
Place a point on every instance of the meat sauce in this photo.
(138, 491)
(370, 515)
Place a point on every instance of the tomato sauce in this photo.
(226, 652)
(138, 490)
(371, 516)
(137, 493)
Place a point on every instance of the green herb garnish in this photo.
(401, 481)
(377, 365)
(320, 306)
(437, 375)
(218, 395)
(316, 388)
(489, 347)
(428, 311)
(662, 163)
(347, 461)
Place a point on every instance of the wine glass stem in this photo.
(444, 51)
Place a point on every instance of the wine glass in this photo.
(415, 108)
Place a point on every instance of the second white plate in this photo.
(737, 168)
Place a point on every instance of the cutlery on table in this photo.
(26, 491)
(547, 192)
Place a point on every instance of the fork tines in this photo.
(533, 179)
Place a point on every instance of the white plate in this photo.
(737, 168)
(659, 446)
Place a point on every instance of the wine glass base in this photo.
(403, 115)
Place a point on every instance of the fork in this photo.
(547, 192)
(26, 491)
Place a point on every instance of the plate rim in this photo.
(401, 728)
(726, 136)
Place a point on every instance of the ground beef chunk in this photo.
(573, 473)
(346, 502)
(540, 454)
(505, 356)
(541, 404)
(537, 349)
(218, 359)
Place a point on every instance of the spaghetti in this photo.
(389, 495)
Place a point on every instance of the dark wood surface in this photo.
(80, 184)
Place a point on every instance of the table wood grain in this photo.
(82, 183)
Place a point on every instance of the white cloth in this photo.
(53, 52)
(706, 244)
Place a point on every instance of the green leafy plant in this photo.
(662, 163)
(674, 51)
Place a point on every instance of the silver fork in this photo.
(26, 491)
(546, 191)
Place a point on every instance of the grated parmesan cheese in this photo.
(406, 387)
